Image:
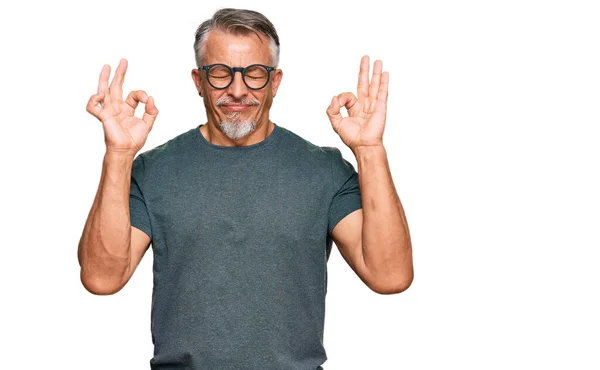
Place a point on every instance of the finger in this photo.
(374, 87)
(103, 82)
(382, 94)
(363, 78)
(93, 105)
(333, 112)
(348, 100)
(116, 85)
(150, 112)
(135, 97)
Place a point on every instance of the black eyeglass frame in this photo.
(238, 69)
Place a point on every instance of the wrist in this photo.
(368, 150)
(119, 155)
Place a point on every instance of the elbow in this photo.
(98, 285)
(102, 276)
(392, 284)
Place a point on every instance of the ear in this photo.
(277, 76)
(197, 78)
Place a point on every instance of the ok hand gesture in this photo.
(366, 114)
(124, 133)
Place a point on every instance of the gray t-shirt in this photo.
(240, 237)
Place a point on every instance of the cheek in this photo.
(211, 98)
(267, 99)
(208, 100)
(263, 98)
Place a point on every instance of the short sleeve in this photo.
(346, 197)
(137, 204)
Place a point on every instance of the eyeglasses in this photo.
(220, 76)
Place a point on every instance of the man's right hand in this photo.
(124, 133)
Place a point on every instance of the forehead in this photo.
(236, 50)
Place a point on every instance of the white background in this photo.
(492, 142)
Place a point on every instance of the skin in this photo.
(374, 240)
(110, 249)
(236, 51)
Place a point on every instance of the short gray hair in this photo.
(237, 22)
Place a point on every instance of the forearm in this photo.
(104, 247)
(386, 244)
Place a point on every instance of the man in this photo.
(241, 212)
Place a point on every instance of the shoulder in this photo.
(312, 156)
(170, 150)
(305, 147)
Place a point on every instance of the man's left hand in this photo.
(366, 114)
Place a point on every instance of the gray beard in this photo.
(235, 128)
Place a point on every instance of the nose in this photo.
(238, 88)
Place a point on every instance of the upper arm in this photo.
(104, 285)
(140, 242)
(347, 235)
(140, 236)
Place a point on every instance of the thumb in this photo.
(333, 112)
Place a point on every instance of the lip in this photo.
(237, 107)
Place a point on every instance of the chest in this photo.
(242, 208)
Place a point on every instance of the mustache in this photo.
(229, 100)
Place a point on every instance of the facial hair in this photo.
(233, 127)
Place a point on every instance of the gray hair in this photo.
(237, 22)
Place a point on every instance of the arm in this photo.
(110, 248)
(375, 241)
